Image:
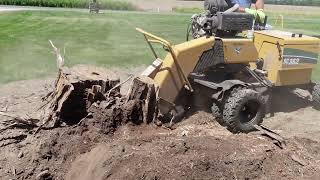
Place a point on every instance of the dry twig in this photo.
(118, 85)
(60, 59)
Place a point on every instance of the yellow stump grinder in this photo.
(233, 72)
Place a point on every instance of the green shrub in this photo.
(104, 4)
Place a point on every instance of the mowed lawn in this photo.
(108, 39)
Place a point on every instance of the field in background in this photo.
(295, 2)
(104, 4)
(106, 39)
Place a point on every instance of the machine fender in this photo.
(220, 88)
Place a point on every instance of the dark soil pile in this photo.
(153, 153)
(107, 116)
(112, 142)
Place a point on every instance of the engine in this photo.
(220, 22)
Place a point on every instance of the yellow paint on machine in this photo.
(239, 51)
(271, 45)
(168, 78)
(170, 74)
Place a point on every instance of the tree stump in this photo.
(139, 106)
(74, 93)
(145, 90)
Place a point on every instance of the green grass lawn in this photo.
(101, 39)
(106, 39)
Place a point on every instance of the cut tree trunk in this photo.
(145, 90)
(78, 93)
(139, 106)
(74, 93)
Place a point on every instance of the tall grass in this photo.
(104, 4)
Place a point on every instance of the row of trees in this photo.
(295, 2)
(104, 4)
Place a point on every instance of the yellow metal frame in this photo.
(150, 38)
(271, 45)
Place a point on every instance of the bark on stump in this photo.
(145, 90)
(139, 106)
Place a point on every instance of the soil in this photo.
(197, 147)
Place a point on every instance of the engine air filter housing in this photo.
(235, 21)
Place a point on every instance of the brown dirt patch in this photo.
(154, 153)
(198, 147)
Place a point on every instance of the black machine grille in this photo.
(235, 21)
(211, 57)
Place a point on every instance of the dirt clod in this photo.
(20, 155)
(44, 175)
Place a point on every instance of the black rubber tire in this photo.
(216, 111)
(243, 109)
(217, 114)
(316, 96)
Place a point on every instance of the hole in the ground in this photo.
(74, 109)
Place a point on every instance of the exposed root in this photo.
(17, 122)
(11, 139)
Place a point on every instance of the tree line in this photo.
(288, 2)
(295, 2)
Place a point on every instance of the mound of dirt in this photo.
(198, 147)
(155, 153)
